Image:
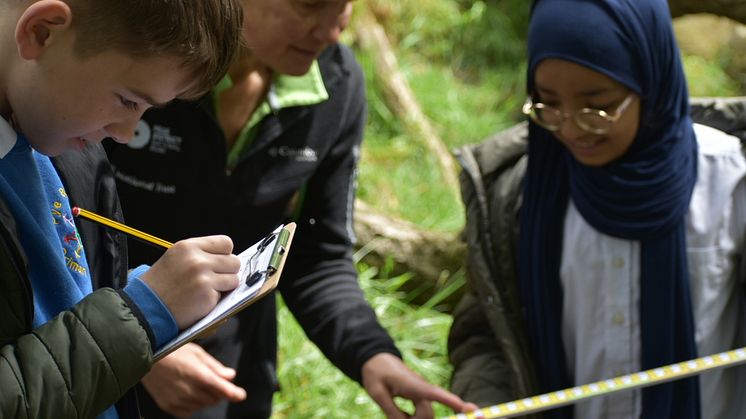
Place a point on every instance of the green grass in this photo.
(313, 388)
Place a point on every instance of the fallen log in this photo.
(433, 259)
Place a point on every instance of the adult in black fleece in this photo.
(277, 140)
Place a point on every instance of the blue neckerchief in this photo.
(64, 225)
(642, 196)
(57, 265)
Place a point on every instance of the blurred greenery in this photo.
(468, 84)
(465, 63)
(707, 78)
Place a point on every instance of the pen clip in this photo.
(255, 277)
(278, 251)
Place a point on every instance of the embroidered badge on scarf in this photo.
(72, 246)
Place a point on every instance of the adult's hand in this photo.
(190, 277)
(385, 376)
(190, 379)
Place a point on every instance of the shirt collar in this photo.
(8, 137)
(284, 92)
(308, 89)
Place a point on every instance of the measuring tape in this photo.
(625, 382)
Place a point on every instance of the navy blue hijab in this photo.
(644, 195)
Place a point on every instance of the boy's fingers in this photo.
(224, 282)
(226, 263)
(217, 244)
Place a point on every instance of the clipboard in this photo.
(265, 258)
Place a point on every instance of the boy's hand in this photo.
(190, 277)
(190, 379)
(385, 376)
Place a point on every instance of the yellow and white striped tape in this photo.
(625, 382)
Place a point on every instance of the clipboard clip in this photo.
(279, 250)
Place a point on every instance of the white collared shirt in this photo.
(8, 137)
(600, 279)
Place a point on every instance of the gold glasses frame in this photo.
(530, 108)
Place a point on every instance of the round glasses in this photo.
(594, 121)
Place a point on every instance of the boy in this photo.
(71, 76)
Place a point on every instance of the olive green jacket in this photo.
(487, 345)
(85, 359)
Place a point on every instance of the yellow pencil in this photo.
(147, 238)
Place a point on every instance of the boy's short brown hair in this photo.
(204, 34)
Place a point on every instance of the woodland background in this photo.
(442, 74)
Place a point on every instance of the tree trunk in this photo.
(398, 95)
(732, 9)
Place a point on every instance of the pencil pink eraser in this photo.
(76, 211)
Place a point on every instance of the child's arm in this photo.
(480, 372)
(77, 364)
(85, 359)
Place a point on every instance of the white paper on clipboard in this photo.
(254, 259)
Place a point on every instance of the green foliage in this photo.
(466, 35)
(465, 63)
(313, 388)
(464, 60)
(397, 175)
(396, 182)
(706, 78)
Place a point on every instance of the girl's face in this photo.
(570, 87)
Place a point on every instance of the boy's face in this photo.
(288, 35)
(61, 102)
(570, 87)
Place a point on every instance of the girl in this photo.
(631, 225)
